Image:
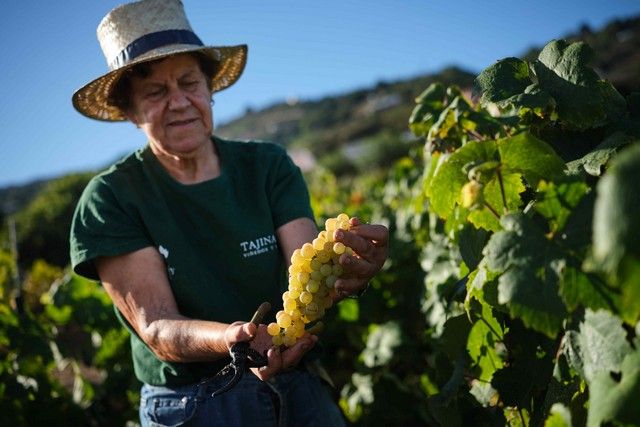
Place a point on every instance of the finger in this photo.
(274, 364)
(355, 267)
(292, 355)
(377, 233)
(361, 246)
(347, 287)
(239, 331)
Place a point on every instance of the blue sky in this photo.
(304, 49)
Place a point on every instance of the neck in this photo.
(189, 168)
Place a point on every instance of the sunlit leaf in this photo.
(484, 337)
(382, 344)
(614, 394)
(599, 346)
(556, 201)
(559, 416)
(531, 157)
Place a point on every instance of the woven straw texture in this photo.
(129, 22)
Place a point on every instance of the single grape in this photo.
(339, 248)
(316, 275)
(330, 224)
(312, 286)
(290, 305)
(284, 320)
(307, 251)
(326, 270)
(294, 293)
(330, 281)
(273, 329)
(471, 195)
(289, 340)
(303, 277)
(306, 297)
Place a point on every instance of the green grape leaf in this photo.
(430, 104)
(513, 186)
(529, 106)
(529, 369)
(528, 284)
(382, 344)
(555, 201)
(578, 288)
(453, 120)
(616, 218)
(471, 241)
(449, 177)
(433, 162)
(503, 80)
(599, 346)
(614, 395)
(483, 287)
(595, 161)
(356, 394)
(583, 100)
(559, 416)
(454, 335)
(485, 337)
(348, 310)
(531, 157)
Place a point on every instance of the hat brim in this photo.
(91, 100)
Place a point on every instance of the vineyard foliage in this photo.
(511, 295)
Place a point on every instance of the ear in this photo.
(133, 118)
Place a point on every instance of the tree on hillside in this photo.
(43, 226)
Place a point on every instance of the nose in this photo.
(177, 99)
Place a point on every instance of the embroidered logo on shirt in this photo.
(165, 253)
(258, 246)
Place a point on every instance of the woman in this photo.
(171, 231)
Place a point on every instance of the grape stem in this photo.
(504, 198)
(491, 209)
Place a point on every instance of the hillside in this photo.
(335, 129)
(362, 129)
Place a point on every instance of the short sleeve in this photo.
(103, 226)
(288, 193)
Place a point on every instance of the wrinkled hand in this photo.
(278, 360)
(370, 244)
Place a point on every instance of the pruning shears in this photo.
(243, 356)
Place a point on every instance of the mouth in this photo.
(178, 123)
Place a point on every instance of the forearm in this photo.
(186, 340)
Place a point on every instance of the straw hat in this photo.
(143, 31)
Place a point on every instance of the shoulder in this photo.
(120, 174)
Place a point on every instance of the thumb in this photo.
(239, 332)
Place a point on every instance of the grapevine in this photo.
(312, 276)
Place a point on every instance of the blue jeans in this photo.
(292, 398)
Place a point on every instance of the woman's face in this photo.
(173, 105)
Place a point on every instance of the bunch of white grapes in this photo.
(312, 275)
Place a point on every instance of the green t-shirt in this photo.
(217, 237)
